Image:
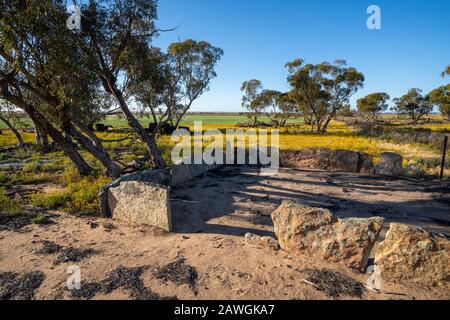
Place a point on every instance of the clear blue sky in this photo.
(260, 36)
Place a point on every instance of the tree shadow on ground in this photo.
(213, 203)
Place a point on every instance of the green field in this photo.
(188, 120)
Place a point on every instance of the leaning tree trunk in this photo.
(41, 138)
(19, 138)
(150, 142)
(65, 143)
(94, 147)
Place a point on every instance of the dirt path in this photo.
(211, 216)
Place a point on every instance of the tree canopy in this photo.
(440, 97)
(322, 90)
(413, 105)
(372, 105)
(251, 100)
(67, 79)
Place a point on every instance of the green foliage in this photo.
(40, 219)
(251, 101)
(4, 179)
(84, 195)
(413, 105)
(372, 105)
(346, 112)
(7, 205)
(50, 201)
(440, 97)
(79, 197)
(23, 177)
(69, 175)
(31, 166)
(322, 90)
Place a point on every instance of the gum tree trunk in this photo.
(149, 141)
(65, 143)
(41, 138)
(95, 148)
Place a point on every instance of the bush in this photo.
(50, 201)
(40, 219)
(3, 178)
(79, 197)
(31, 166)
(84, 195)
(8, 205)
(70, 175)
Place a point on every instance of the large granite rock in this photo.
(157, 177)
(316, 231)
(329, 160)
(140, 198)
(414, 255)
(391, 164)
(141, 203)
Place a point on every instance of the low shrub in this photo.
(4, 179)
(40, 219)
(79, 197)
(84, 195)
(7, 205)
(54, 200)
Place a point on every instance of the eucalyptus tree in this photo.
(251, 100)
(440, 97)
(322, 90)
(288, 108)
(117, 35)
(42, 62)
(413, 105)
(193, 67)
(268, 100)
(12, 92)
(372, 105)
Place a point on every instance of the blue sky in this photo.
(260, 36)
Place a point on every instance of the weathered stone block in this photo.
(141, 203)
(158, 177)
(329, 160)
(391, 164)
(316, 231)
(414, 255)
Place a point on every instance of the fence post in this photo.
(443, 157)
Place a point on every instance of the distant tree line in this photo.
(321, 92)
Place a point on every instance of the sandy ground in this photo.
(211, 216)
